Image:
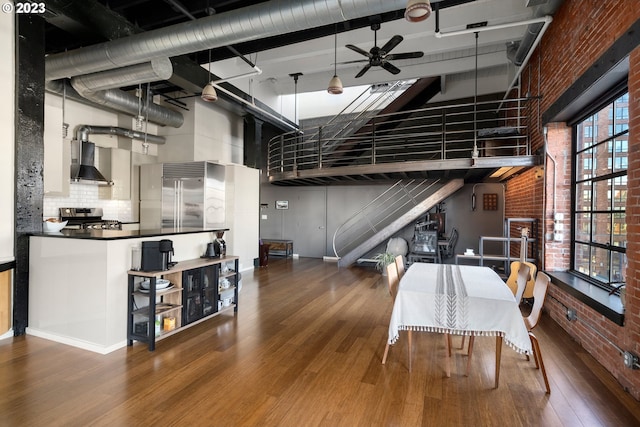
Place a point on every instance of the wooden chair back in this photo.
(539, 295)
(393, 280)
(400, 266)
(523, 277)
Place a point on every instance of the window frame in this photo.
(579, 180)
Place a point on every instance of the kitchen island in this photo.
(78, 281)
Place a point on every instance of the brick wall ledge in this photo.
(591, 295)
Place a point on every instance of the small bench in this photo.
(279, 247)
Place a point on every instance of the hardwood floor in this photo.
(305, 350)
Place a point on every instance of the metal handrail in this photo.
(443, 132)
(399, 198)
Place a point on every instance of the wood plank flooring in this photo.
(305, 350)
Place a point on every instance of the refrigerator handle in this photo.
(175, 202)
(180, 189)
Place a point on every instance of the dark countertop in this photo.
(125, 234)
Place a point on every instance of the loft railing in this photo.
(435, 133)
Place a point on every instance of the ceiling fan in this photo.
(379, 56)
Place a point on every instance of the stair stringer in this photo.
(410, 216)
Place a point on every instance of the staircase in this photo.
(403, 203)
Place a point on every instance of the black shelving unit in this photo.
(194, 296)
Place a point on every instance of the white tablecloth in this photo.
(459, 300)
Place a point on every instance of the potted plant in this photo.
(382, 260)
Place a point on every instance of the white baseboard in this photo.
(7, 334)
(331, 258)
(75, 342)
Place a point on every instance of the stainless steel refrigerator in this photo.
(182, 195)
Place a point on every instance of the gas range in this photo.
(87, 218)
(105, 224)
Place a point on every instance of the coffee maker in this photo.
(166, 249)
(156, 256)
(217, 248)
(222, 245)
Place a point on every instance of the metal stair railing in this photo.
(434, 133)
(352, 117)
(398, 199)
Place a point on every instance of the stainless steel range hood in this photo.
(84, 171)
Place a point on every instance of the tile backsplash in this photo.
(86, 196)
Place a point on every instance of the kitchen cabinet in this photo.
(115, 165)
(57, 150)
(199, 289)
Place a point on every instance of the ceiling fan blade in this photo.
(406, 55)
(357, 61)
(364, 70)
(390, 67)
(393, 42)
(357, 49)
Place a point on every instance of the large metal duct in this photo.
(154, 70)
(249, 23)
(100, 88)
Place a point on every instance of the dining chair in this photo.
(523, 277)
(540, 288)
(400, 266)
(393, 282)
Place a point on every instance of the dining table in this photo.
(458, 300)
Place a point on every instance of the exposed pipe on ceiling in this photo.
(100, 88)
(516, 78)
(83, 132)
(249, 23)
(154, 70)
(542, 19)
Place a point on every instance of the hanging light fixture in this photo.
(335, 84)
(209, 93)
(474, 152)
(417, 10)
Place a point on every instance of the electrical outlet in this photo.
(630, 360)
(572, 314)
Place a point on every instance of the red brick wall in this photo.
(579, 34)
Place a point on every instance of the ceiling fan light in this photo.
(417, 10)
(335, 86)
(209, 93)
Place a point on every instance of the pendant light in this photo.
(209, 93)
(474, 153)
(417, 10)
(335, 84)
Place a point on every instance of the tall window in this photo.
(599, 235)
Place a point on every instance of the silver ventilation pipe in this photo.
(83, 132)
(100, 88)
(249, 23)
(154, 70)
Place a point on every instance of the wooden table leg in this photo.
(409, 333)
(498, 355)
(447, 344)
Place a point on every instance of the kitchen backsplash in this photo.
(86, 196)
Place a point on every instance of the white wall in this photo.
(7, 137)
(209, 133)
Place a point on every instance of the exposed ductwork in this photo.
(83, 132)
(100, 88)
(85, 171)
(154, 70)
(526, 44)
(249, 23)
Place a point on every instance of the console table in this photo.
(279, 247)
